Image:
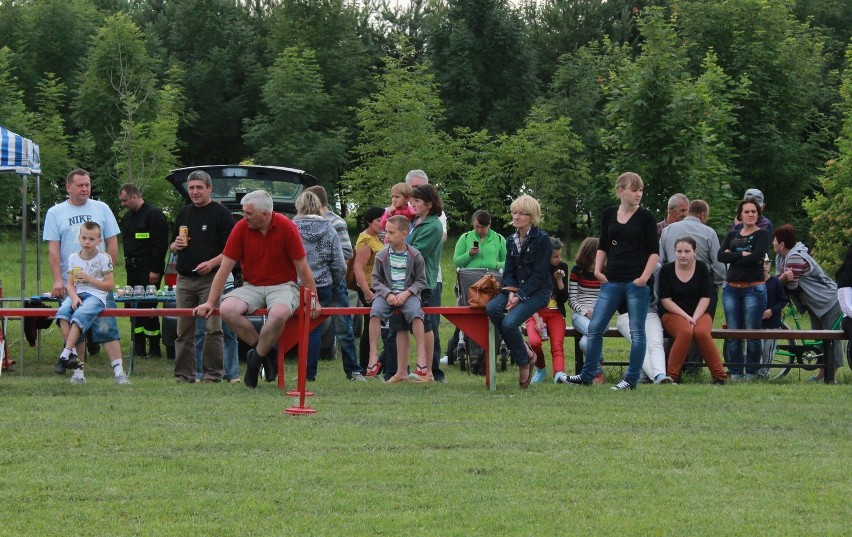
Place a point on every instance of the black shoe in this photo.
(94, 348)
(270, 366)
(720, 382)
(154, 347)
(253, 363)
(139, 351)
(623, 385)
(61, 366)
(578, 380)
(73, 361)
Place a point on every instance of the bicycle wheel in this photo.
(785, 356)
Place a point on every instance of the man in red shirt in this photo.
(269, 247)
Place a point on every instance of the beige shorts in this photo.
(286, 294)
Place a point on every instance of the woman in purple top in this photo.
(627, 255)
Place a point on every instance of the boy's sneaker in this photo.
(122, 379)
(358, 377)
(623, 385)
(578, 380)
(73, 361)
(78, 380)
(61, 366)
(560, 378)
(538, 376)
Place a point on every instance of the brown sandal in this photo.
(524, 375)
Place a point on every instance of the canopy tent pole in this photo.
(23, 263)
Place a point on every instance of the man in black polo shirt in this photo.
(145, 234)
(199, 254)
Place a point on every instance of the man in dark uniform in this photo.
(145, 234)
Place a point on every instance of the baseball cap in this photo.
(754, 193)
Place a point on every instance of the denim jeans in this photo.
(343, 331)
(508, 324)
(611, 296)
(230, 358)
(325, 296)
(581, 324)
(744, 308)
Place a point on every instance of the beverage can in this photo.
(184, 232)
(544, 334)
(74, 272)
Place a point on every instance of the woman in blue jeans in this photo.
(744, 294)
(526, 283)
(628, 251)
(325, 257)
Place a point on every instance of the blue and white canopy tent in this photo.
(21, 156)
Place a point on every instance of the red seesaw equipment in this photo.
(472, 321)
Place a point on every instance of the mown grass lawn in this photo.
(157, 458)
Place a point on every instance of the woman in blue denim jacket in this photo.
(526, 282)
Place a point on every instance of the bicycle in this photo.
(807, 353)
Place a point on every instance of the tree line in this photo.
(492, 98)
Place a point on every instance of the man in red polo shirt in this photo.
(269, 247)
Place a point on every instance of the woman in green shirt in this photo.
(482, 247)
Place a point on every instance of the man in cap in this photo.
(762, 222)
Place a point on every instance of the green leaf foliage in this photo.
(830, 210)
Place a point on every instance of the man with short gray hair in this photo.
(270, 250)
(677, 207)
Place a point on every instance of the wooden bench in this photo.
(826, 336)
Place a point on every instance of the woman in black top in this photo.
(744, 294)
(629, 251)
(685, 290)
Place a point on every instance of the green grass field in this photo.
(156, 458)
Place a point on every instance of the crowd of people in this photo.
(662, 278)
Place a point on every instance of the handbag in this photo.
(481, 292)
(351, 282)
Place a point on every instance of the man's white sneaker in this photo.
(122, 380)
(445, 360)
(78, 380)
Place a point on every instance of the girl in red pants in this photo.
(549, 323)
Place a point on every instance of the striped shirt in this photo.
(583, 290)
(399, 268)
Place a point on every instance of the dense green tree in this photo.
(483, 64)
(544, 159)
(671, 127)
(15, 117)
(782, 132)
(217, 46)
(55, 37)
(119, 90)
(578, 93)
(346, 46)
(294, 127)
(559, 27)
(399, 133)
(49, 131)
(830, 210)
